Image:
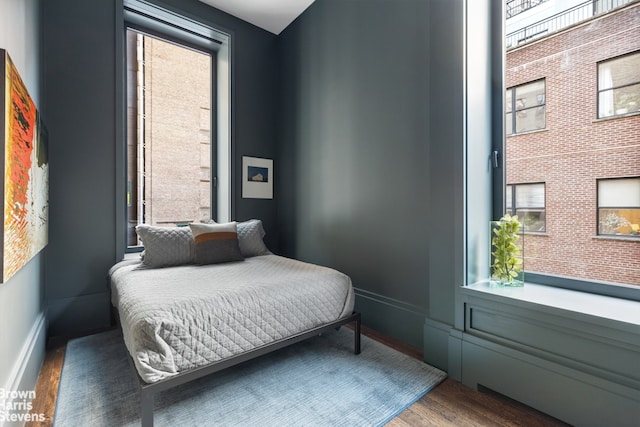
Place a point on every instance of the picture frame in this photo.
(257, 178)
(25, 178)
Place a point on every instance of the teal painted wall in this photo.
(366, 107)
(22, 308)
(80, 77)
(354, 152)
(372, 124)
(356, 158)
(390, 111)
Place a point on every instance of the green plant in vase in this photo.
(505, 251)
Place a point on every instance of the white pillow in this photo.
(250, 237)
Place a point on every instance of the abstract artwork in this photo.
(257, 178)
(25, 184)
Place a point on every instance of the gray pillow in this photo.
(250, 235)
(166, 246)
(216, 243)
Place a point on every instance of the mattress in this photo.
(178, 318)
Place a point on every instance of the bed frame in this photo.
(148, 390)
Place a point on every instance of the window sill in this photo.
(616, 309)
(618, 238)
(528, 132)
(536, 233)
(617, 116)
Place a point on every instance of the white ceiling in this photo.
(271, 15)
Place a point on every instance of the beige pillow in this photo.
(216, 243)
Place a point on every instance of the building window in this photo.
(619, 207)
(525, 107)
(619, 86)
(528, 202)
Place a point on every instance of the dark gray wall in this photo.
(80, 80)
(22, 307)
(364, 155)
(359, 129)
(447, 166)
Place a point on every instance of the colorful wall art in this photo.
(25, 186)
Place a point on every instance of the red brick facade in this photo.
(176, 133)
(576, 148)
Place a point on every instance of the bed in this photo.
(209, 296)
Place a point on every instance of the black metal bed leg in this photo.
(357, 335)
(146, 408)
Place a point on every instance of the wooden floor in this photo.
(449, 404)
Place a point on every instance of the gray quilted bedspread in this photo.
(178, 318)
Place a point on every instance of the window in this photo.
(619, 86)
(619, 207)
(177, 150)
(525, 107)
(589, 240)
(169, 133)
(528, 202)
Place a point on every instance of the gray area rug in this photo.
(318, 382)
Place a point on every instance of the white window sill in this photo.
(131, 255)
(605, 307)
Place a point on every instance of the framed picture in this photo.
(257, 178)
(25, 177)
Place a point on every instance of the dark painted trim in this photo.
(392, 317)
(120, 134)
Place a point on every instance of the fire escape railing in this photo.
(515, 7)
(564, 19)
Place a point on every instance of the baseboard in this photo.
(455, 355)
(24, 375)
(74, 315)
(394, 318)
(436, 336)
(443, 347)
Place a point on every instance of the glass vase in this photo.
(507, 253)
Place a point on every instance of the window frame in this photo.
(172, 25)
(613, 88)
(514, 109)
(186, 43)
(598, 208)
(498, 206)
(514, 208)
(498, 198)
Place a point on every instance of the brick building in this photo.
(573, 148)
(169, 133)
